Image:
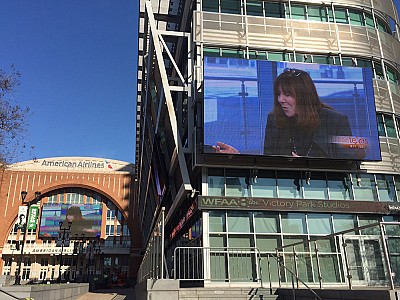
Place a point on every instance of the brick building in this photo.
(101, 188)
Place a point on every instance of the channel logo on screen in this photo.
(351, 141)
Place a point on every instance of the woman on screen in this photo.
(301, 125)
(79, 224)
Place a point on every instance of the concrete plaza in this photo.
(110, 294)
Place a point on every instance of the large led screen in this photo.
(85, 218)
(257, 107)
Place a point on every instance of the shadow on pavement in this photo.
(110, 294)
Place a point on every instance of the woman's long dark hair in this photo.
(298, 84)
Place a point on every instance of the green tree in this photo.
(13, 118)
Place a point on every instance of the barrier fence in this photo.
(366, 255)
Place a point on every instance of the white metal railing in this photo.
(335, 259)
(153, 263)
(352, 257)
(362, 256)
(218, 264)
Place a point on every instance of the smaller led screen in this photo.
(258, 107)
(85, 218)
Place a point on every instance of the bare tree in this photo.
(13, 117)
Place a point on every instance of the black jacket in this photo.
(316, 143)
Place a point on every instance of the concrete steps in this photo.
(6, 280)
(236, 293)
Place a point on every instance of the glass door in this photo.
(365, 260)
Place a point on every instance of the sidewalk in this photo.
(111, 294)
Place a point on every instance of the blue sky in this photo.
(78, 64)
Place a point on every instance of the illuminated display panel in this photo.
(85, 218)
(243, 114)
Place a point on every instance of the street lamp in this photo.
(78, 250)
(96, 250)
(63, 229)
(29, 203)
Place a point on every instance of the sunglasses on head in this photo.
(294, 72)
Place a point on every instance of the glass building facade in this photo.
(325, 221)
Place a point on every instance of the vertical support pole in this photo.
(318, 265)
(293, 289)
(269, 275)
(162, 241)
(349, 277)
(387, 258)
(279, 267)
(18, 275)
(295, 266)
(175, 265)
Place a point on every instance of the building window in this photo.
(44, 262)
(364, 187)
(319, 224)
(257, 54)
(274, 10)
(294, 223)
(339, 186)
(356, 18)
(341, 16)
(386, 125)
(297, 228)
(211, 5)
(386, 189)
(378, 71)
(306, 185)
(254, 8)
(369, 20)
(344, 222)
(289, 184)
(239, 222)
(231, 6)
(264, 185)
(237, 183)
(278, 56)
(315, 187)
(212, 54)
(298, 12)
(8, 262)
(217, 221)
(317, 13)
(216, 186)
(392, 75)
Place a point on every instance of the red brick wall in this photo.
(116, 186)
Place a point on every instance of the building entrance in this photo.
(365, 260)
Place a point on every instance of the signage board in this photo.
(33, 217)
(281, 204)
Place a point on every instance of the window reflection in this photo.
(293, 223)
(315, 187)
(216, 186)
(217, 221)
(265, 222)
(385, 186)
(344, 222)
(305, 230)
(264, 185)
(319, 224)
(364, 187)
(339, 186)
(237, 183)
(306, 184)
(289, 184)
(239, 221)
